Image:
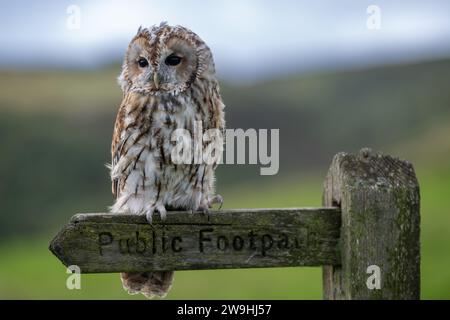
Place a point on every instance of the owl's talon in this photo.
(149, 214)
(217, 199)
(162, 212)
(151, 211)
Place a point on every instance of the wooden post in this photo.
(379, 200)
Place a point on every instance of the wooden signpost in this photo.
(370, 221)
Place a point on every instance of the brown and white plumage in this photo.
(168, 82)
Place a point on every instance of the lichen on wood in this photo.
(379, 200)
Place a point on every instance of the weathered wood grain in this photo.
(245, 238)
(379, 200)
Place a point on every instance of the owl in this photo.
(168, 82)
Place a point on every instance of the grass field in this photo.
(30, 271)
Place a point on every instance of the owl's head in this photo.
(165, 59)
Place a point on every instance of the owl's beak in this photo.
(156, 80)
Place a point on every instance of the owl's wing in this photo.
(117, 145)
(216, 107)
(216, 119)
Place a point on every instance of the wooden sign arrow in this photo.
(243, 238)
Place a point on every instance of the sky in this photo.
(249, 39)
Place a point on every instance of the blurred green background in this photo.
(314, 71)
(55, 141)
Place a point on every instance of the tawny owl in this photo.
(168, 82)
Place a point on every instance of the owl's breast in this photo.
(149, 129)
(173, 113)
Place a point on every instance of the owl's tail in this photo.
(150, 284)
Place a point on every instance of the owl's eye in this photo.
(173, 60)
(142, 62)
